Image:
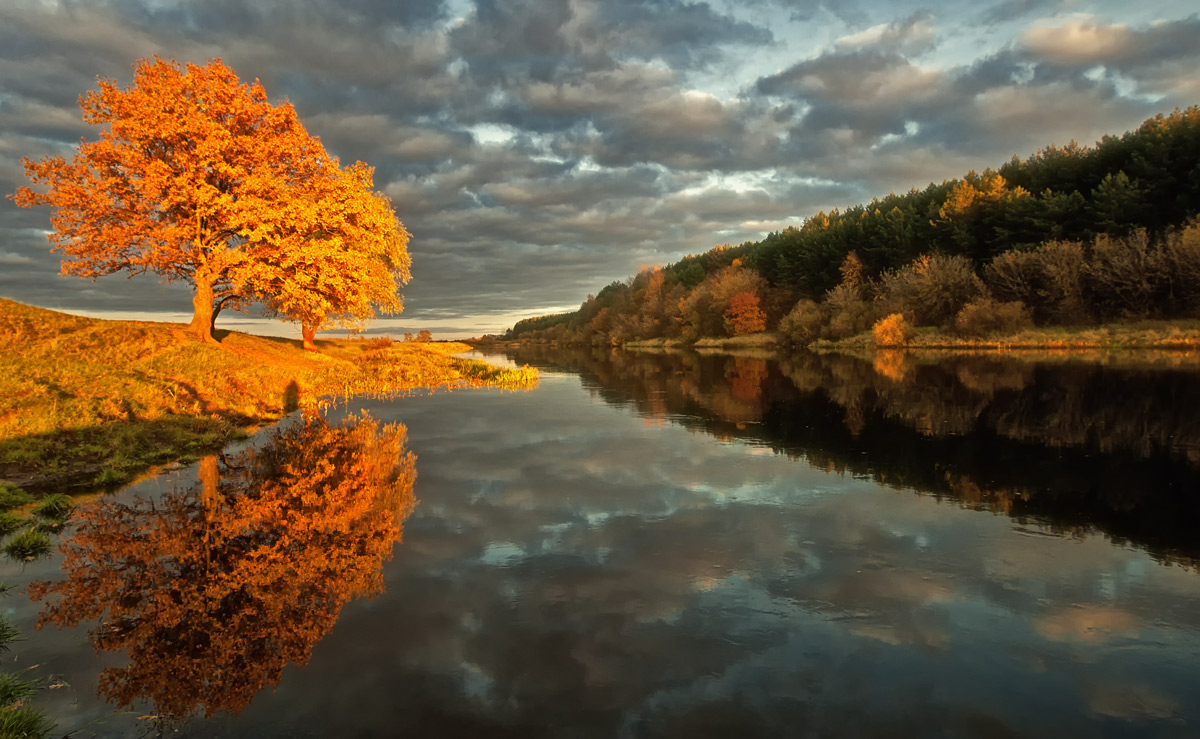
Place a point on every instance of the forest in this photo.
(1070, 235)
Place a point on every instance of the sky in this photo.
(538, 150)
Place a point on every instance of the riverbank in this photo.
(88, 403)
(1171, 335)
(1174, 335)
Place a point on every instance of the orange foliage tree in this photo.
(743, 316)
(348, 256)
(198, 177)
(213, 590)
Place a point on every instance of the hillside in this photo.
(87, 402)
(1074, 234)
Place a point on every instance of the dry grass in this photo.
(762, 340)
(1174, 335)
(86, 402)
(1178, 336)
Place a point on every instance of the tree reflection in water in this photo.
(1110, 446)
(213, 590)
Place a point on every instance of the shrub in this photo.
(802, 325)
(1048, 280)
(1181, 254)
(1062, 265)
(1016, 275)
(892, 330)
(849, 313)
(932, 290)
(1125, 275)
(986, 317)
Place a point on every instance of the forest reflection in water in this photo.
(1078, 446)
(213, 589)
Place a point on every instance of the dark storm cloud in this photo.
(541, 40)
(539, 150)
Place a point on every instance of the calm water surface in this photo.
(659, 546)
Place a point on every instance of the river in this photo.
(658, 545)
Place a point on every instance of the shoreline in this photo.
(90, 404)
(1174, 336)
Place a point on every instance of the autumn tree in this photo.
(199, 178)
(212, 590)
(346, 258)
(743, 316)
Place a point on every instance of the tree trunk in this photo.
(202, 310)
(308, 334)
(216, 312)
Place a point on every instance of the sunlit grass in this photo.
(86, 403)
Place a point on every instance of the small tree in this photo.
(199, 178)
(346, 258)
(743, 316)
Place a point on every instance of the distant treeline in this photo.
(1070, 234)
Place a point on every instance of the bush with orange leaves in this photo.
(892, 330)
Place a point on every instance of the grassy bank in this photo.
(1181, 335)
(86, 403)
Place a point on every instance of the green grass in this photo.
(25, 722)
(17, 718)
(14, 690)
(86, 403)
(8, 633)
(54, 507)
(10, 522)
(27, 545)
(12, 496)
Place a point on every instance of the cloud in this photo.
(11, 258)
(913, 35)
(1009, 10)
(1082, 40)
(539, 150)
